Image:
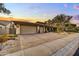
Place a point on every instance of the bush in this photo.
(6, 37)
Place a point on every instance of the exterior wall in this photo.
(38, 29)
(11, 28)
(41, 29)
(2, 29)
(27, 29)
(46, 29)
(17, 29)
(7, 28)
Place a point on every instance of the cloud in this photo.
(76, 7)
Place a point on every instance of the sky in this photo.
(42, 11)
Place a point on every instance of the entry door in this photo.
(12, 31)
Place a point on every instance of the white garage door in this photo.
(28, 29)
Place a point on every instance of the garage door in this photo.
(28, 29)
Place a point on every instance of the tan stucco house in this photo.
(21, 27)
(31, 28)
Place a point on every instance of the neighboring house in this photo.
(21, 27)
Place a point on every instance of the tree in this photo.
(60, 20)
(3, 9)
(49, 22)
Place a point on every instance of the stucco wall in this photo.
(41, 30)
(18, 29)
(2, 29)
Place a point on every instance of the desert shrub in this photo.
(6, 37)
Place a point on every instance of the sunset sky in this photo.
(41, 11)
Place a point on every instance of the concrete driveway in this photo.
(29, 41)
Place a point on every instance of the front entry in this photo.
(12, 31)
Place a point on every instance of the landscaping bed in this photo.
(5, 37)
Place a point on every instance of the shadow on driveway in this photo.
(76, 53)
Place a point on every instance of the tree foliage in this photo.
(3, 9)
(59, 22)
